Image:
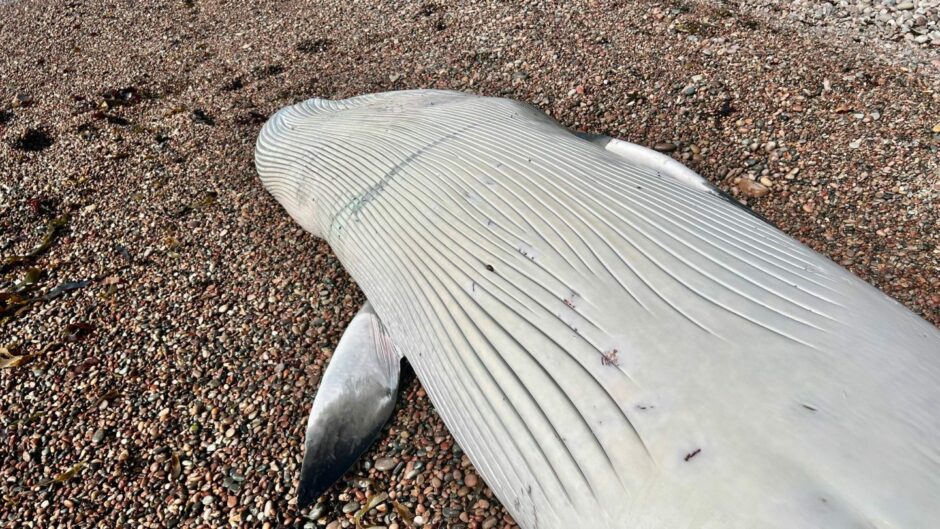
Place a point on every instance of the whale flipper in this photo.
(664, 166)
(355, 399)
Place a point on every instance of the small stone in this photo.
(809, 207)
(231, 501)
(471, 480)
(98, 436)
(351, 507)
(752, 189)
(419, 521)
(384, 464)
(664, 146)
(855, 144)
(317, 511)
(208, 500)
(766, 181)
(689, 90)
(905, 6)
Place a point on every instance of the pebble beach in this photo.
(164, 324)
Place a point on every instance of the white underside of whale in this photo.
(612, 346)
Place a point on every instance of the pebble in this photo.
(664, 147)
(385, 464)
(752, 189)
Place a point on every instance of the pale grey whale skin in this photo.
(611, 345)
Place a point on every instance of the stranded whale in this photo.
(611, 342)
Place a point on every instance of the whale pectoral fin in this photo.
(355, 399)
(663, 165)
(657, 161)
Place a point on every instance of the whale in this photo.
(612, 342)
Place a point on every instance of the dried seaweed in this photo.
(314, 45)
(65, 476)
(68, 286)
(371, 503)
(33, 140)
(175, 468)
(10, 360)
(107, 396)
(404, 513)
(128, 96)
(52, 229)
(74, 332)
(199, 116)
(17, 302)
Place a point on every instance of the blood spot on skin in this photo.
(609, 358)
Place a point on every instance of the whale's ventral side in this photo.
(611, 342)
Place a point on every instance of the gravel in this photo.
(180, 320)
(898, 32)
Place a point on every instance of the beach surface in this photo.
(166, 324)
